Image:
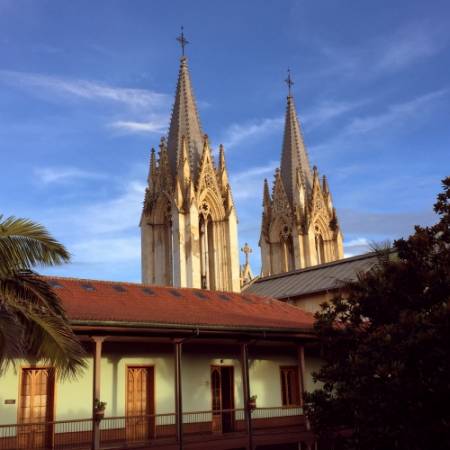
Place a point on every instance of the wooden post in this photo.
(178, 394)
(98, 341)
(246, 389)
(301, 371)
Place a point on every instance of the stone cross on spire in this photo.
(246, 249)
(289, 82)
(182, 40)
(246, 271)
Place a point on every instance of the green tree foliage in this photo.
(32, 320)
(386, 348)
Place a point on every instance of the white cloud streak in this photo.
(328, 110)
(155, 125)
(403, 48)
(49, 175)
(409, 46)
(247, 184)
(317, 116)
(87, 90)
(395, 114)
(238, 133)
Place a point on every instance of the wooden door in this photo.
(216, 397)
(227, 378)
(140, 403)
(36, 408)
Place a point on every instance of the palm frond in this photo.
(25, 244)
(28, 285)
(45, 336)
(11, 339)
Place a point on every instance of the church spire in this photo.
(184, 121)
(299, 224)
(294, 156)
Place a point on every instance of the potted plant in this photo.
(99, 409)
(252, 402)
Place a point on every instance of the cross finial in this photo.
(289, 82)
(182, 40)
(246, 249)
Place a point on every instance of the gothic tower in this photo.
(188, 223)
(299, 223)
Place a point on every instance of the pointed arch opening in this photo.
(207, 250)
(287, 252)
(320, 246)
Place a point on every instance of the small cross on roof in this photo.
(289, 81)
(182, 40)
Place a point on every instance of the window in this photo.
(320, 248)
(290, 390)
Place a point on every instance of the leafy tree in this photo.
(386, 348)
(32, 319)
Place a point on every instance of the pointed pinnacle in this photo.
(325, 186)
(266, 193)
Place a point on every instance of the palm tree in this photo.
(32, 319)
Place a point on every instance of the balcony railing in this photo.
(121, 431)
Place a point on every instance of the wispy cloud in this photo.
(395, 114)
(403, 48)
(328, 110)
(49, 175)
(409, 46)
(101, 250)
(99, 233)
(247, 184)
(154, 125)
(85, 89)
(315, 117)
(357, 246)
(238, 133)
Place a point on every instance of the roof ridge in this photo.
(318, 266)
(144, 285)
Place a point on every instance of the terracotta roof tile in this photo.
(92, 300)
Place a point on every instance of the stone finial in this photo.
(246, 249)
(246, 271)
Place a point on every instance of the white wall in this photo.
(73, 398)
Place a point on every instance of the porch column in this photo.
(246, 389)
(178, 394)
(98, 341)
(301, 371)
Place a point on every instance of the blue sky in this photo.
(86, 90)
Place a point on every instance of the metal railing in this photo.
(63, 434)
(275, 412)
(135, 429)
(116, 431)
(218, 421)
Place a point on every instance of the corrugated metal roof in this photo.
(313, 279)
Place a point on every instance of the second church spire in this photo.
(299, 224)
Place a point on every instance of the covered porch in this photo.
(185, 389)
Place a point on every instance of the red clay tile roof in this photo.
(108, 301)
